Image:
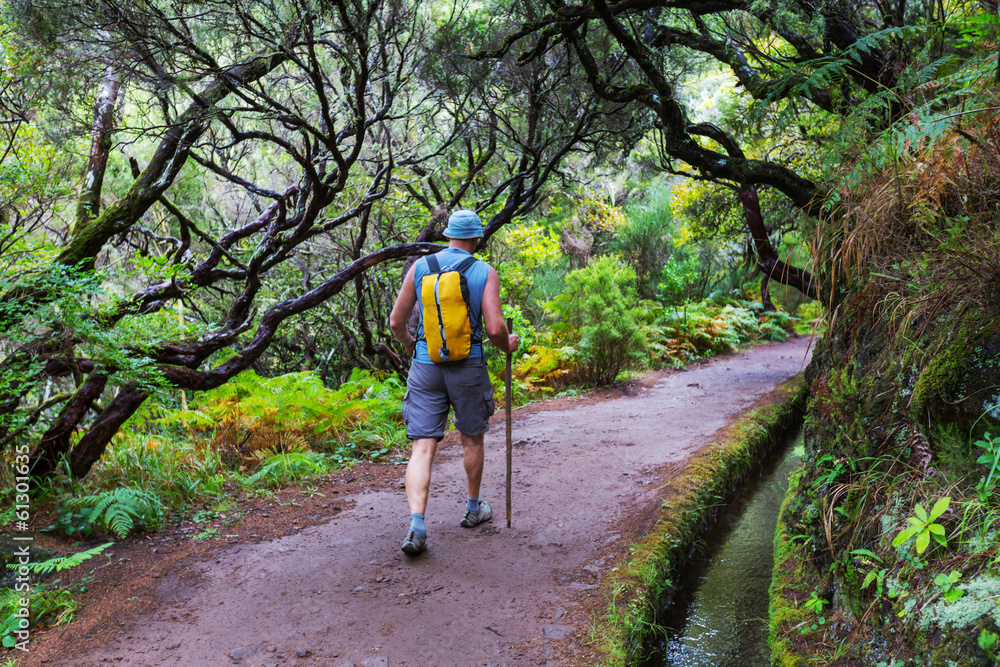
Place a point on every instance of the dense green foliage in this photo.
(49, 606)
(116, 511)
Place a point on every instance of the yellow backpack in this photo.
(444, 295)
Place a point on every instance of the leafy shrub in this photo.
(675, 277)
(743, 324)
(645, 240)
(526, 332)
(811, 317)
(46, 605)
(547, 368)
(684, 335)
(694, 270)
(667, 348)
(597, 313)
(523, 256)
(776, 325)
(497, 361)
(703, 328)
(379, 438)
(179, 457)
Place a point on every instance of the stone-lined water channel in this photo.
(719, 616)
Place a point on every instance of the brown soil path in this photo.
(341, 592)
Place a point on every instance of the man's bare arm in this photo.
(405, 301)
(496, 328)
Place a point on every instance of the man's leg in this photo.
(425, 409)
(472, 457)
(418, 482)
(472, 396)
(476, 511)
(418, 473)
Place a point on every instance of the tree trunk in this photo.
(92, 233)
(765, 295)
(89, 205)
(55, 443)
(767, 259)
(91, 447)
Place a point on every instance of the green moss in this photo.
(894, 405)
(951, 447)
(944, 370)
(907, 375)
(789, 576)
(959, 383)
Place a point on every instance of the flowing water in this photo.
(719, 616)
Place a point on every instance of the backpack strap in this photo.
(433, 266)
(464, 264)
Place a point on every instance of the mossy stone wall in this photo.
(897, 401)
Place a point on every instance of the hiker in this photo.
(448, 367)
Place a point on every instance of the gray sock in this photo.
(417, 524)
(473, 505)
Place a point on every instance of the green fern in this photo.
(120, 510)
(61, 563)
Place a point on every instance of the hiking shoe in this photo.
(472, 519)
(414, 544)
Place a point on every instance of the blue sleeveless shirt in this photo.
(476, 276)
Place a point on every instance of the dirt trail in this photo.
(341, 592)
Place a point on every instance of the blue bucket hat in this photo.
(464, 225)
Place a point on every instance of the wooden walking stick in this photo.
(510, 329)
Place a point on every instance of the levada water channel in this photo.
(719, 615)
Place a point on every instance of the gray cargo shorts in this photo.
(432, 388)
